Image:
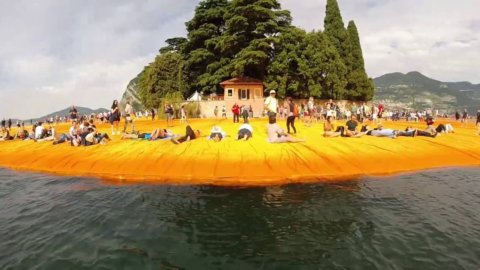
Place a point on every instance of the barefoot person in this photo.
(329, 129)
(217, 134)
(190, 134)
(115, 117)
(465, 118)
(351, 130)
(183, 115)
(129, 113)
(169, 114)
(236, 113)
(245, 132)
(478, 122)
(292, 113)
(277, 135)
(215, 112)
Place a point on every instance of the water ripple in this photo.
(427, 220)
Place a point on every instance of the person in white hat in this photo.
(271, 104)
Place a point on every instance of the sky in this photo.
(56, 53)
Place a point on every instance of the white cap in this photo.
(272, 92)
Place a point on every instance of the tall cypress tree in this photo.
(335, 28)
(203, 59)
(357, 62)
(359, 86)
(251, 26)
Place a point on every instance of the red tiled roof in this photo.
(241, 80)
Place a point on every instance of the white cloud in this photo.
(55, 53)
(436, 37)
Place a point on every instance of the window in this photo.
(244, 94)
(230, 92)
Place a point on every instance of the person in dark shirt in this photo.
(115, 117)
(478, 122)
(351, 131)
(190, 134)
(73, 113)
(292, 113)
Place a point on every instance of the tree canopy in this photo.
(255, 38)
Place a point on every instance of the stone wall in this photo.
(207, 107)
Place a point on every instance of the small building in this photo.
(244, 91)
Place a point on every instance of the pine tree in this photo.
(283, 71)
(322, 68)
(203, 59)
(251, 26)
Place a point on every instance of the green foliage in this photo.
(204, 61)
(174, 45)
(335, 28)
(251, 26)
(255, 38)
(161, 78)
(359, 86)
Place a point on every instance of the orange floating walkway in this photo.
(254, 162)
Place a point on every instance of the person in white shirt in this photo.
(217, 134)
(271, 104)
(39, 132)
(129, 117)
(183, 115)
(245, 132)
(277, 135)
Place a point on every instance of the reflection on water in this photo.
(423, 221)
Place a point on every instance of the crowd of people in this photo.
(360, 120)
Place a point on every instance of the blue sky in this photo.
(55, 53)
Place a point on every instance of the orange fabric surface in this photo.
(238, 163)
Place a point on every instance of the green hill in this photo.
(416, 91)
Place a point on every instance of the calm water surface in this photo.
(428, 220)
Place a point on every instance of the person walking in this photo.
(215, 112)
(114, 117)
(129, 117)
(245, 113)
(9, 123)
(224, 112)
(169, 114)
(271, 104)
(465, 118)
(73, 114)
(292, 113)
(153, 114)
(478, 122)
(236, 113)
(183, 115)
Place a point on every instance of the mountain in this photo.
(416, 91)
(131, 94)
(65, 112)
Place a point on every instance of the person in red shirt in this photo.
(380, 111)
(236, 113)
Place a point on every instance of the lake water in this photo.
(428, 220)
